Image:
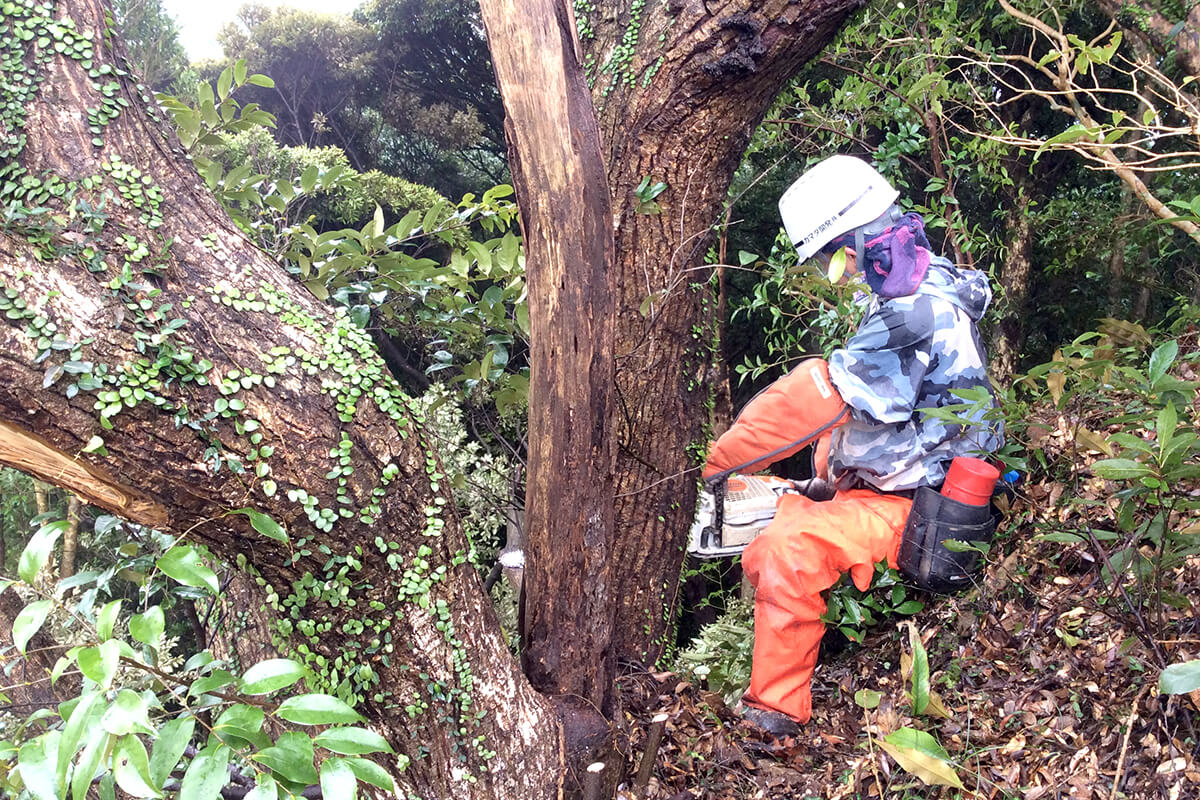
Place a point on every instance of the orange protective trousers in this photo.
(803, 552)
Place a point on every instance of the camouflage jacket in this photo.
(908, 354)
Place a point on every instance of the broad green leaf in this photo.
(261, 80)
(264, 524)
(1164, 427)
(172, 739)
(1061, 537)
(100, 663)
(240, 720)
(1180, 678)
(37, 552)
(37, 760)
(94, 752)
(308, 178)
(338, 781)
(206, 775)
(372, 773)
(867, 698)
(224, 82)
(1161, 360)
(128, 713)
(239, 71)
(264, 789)
(106, 619)
(131, 768)
(147, 626)
(28, 622)
(291, 758)
(182, 562)
(920, 671)
(919, 754)
(218, 679)
(1120, 469)
(316, 709)
(82, 718)
(352, 741)
(271, 675)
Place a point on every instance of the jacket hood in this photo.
(968, 289)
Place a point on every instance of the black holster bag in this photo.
(934, 519)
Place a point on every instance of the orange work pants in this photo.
(803, 552)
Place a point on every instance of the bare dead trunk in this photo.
(192, 328)
(554, 154)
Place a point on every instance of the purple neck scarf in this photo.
(896, 260)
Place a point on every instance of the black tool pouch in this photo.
(933, 520)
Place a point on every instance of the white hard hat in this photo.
(837, 195)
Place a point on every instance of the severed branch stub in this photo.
(592, 782)
(650, 754)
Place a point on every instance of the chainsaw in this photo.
(733, 511)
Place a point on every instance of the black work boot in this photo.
(774, 723)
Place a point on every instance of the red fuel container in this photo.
(970, 480)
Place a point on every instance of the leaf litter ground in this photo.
(1049, 680)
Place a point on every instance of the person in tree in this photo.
(917, 343)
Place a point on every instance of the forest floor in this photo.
(1047, 671)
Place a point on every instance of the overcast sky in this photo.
(199, 20)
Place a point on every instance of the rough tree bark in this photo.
(135, 289)
(1015, 274)
(680, 86)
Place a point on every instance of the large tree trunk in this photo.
(680, 86)
(179, 331)
(1015, 273)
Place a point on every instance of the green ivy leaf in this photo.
(867, 698)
